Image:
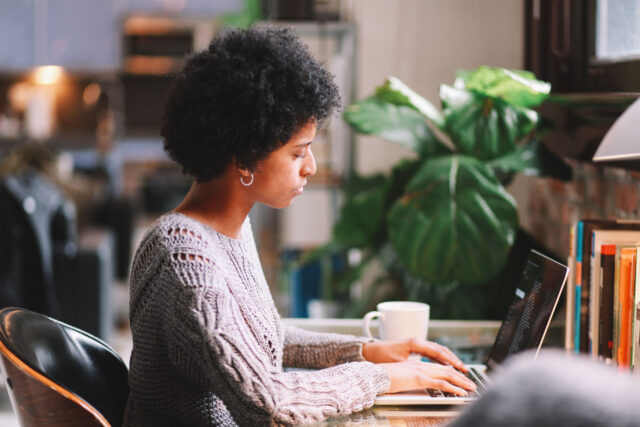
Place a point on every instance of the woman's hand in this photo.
(420, 375)
(399, 351)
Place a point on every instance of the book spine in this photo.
(594, 299)
(627, 256)
(635, 346)
(616, 307)
(578, 288)
(570, 292)
(607, 275)
(585, 288)
(632, 296)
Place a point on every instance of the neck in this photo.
(217, 203)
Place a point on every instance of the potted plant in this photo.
(441, 224)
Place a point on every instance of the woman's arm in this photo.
(399, 351)
(315, 350)
(307, 349)
(209, 342)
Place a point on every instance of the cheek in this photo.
(280, 177)
(287, 175)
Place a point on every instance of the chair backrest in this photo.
(66, 360)
(38, 218)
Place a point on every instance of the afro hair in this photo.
(242, 98)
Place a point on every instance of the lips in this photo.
(300, 189)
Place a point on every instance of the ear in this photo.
(242, 171)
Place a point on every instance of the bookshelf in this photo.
(603, 292)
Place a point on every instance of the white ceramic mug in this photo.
(399, 320)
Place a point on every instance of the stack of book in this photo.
(603, 291)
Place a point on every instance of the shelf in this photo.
(316, 27)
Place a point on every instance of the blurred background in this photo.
(83, 171)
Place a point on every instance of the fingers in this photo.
(446, 378)
(437, 353)
(446, 387)
(420, 375)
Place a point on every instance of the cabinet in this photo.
(190, 7)
(81, 35)
(16, 33)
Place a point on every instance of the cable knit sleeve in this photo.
(307, 349)
(211, 343)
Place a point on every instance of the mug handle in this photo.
(367, 320)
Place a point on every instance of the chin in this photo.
(280, 205)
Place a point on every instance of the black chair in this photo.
(57, 374)
(38, 220)
(44, 265)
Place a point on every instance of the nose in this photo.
(309, 167)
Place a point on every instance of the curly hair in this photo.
(242, 98)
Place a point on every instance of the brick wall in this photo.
(595, 192)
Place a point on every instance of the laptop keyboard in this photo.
(474, 375)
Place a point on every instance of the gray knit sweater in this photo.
(208, 345)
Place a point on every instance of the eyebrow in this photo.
(303, 144)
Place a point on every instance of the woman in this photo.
(209, 348)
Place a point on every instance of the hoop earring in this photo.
(246, 184)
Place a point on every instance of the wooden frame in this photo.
(37, 400)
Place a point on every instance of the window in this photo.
(584, 45)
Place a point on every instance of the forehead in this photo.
(305, 134)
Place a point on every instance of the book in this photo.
(616, 307)
(635, 345)
(626, 288)
(599, 238)
(578, 288)
(607, 272)
(570, 291)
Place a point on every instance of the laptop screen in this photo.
(529, 314)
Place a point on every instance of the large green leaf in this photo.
(482, 126)
(368, 199)
(396, 123)
(533, 159)
(396, 92)
(401, 174)
(361, 222)
(516, 87)
(357, 183)
(454, 223)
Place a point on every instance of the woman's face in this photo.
(280, 177)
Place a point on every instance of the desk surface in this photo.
(394, 416)
(453, 333)
(460, 336)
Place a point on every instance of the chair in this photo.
(45, 265)
(57, 374)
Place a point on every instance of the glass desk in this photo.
(394, 416)
(471, 340)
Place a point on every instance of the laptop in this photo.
(523, 328)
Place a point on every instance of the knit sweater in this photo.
(209, 347)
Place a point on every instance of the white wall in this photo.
(423, 42)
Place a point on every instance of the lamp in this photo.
(622, 141)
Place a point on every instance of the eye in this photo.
(302, 154)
